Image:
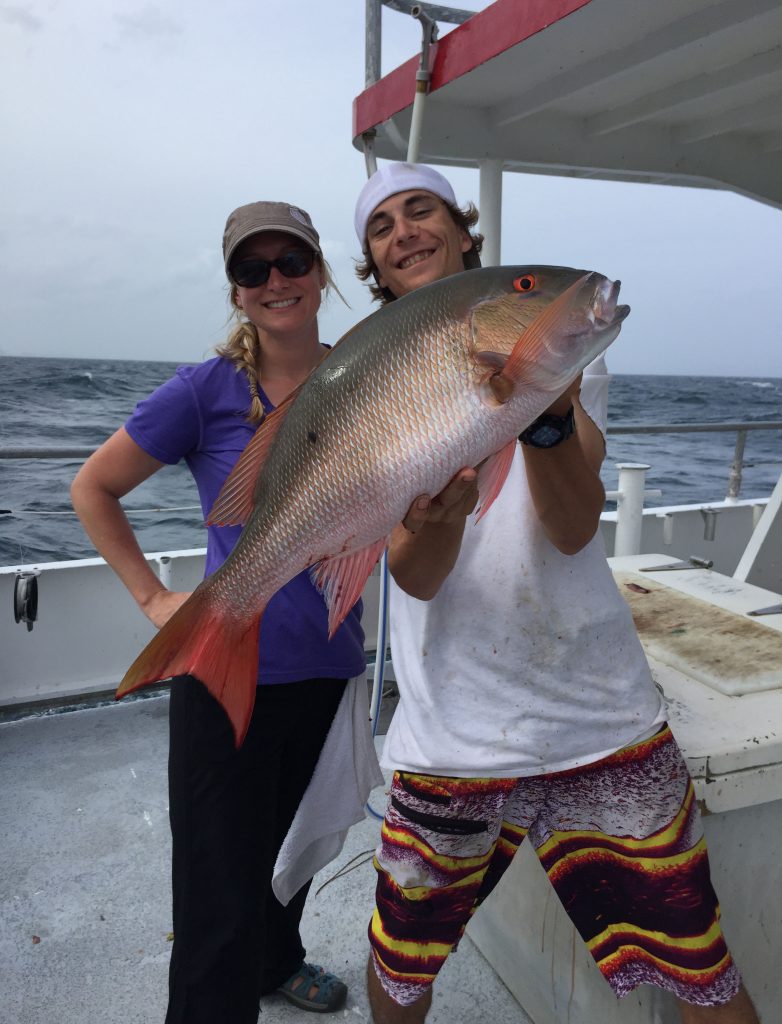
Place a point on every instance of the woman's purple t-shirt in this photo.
(201, 415)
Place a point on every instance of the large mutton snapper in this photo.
(443, 378)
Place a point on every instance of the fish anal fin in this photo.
(202, 640)
(341, 580)
(491, 477)
(234, 504)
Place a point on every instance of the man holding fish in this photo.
(526, 704)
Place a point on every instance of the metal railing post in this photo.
(734, 482)
(373, 41)
(164, 570)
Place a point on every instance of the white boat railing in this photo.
(741, 429)
(631, 489)
(629, 496)
(88, 629)
(734, 482)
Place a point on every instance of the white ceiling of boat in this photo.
(678, 91)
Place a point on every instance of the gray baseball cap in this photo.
(258, 217)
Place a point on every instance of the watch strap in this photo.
(549, 430)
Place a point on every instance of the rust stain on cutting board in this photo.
(725, 650)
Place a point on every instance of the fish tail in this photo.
(203, 640)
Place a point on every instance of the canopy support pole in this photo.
(490, 223)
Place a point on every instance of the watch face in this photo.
(548, 430)
(546, 436)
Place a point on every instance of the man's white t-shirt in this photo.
(527, 660)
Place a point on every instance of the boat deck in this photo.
(84, 883)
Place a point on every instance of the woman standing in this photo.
(230, 809)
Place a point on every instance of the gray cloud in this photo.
(20, 16)
(148, 22)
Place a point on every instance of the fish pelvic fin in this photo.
(491, 477)
(204, 641)
(342, 578)
(234, 504)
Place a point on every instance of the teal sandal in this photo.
(330, 993)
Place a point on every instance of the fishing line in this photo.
(70, 512)
(366, 855)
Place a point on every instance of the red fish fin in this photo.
(492, 475)
(236, 500)
(342, 578)
(204, 641)
(523, 366)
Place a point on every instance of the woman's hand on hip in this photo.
(161, 606)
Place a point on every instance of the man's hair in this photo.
(464, 219)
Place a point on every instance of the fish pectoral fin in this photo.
(234, 504)
(525, 366)
(492, 475)
(342, 578)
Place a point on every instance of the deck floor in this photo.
(84, 883)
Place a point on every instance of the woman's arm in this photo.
(114, 470)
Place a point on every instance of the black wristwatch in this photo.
(548, 430)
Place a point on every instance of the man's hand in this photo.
(455, 502)
(425, 546)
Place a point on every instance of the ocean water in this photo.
(58, 402)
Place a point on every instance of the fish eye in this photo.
(525, 283)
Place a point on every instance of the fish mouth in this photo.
(603, 309)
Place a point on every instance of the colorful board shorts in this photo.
(621, 841)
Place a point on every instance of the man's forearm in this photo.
(565, 485)
(420, 562)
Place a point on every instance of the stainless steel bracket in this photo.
(690, 563)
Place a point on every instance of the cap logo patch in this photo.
(299, 215)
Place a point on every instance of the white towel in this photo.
(346, 772)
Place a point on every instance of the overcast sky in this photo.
(129, 130)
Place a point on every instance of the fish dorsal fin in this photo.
(342, 578)
(492, 475)
(236, 500)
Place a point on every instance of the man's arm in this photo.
(566, 491)
(424, 548)
(564, 481)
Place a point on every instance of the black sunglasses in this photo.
(252, 273)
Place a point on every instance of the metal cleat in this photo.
(773, 609)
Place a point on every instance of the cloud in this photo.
(147, 23)
(22, 17)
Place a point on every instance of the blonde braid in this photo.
(243, 349)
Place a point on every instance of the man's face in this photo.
(413, 240)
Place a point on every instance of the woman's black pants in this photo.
(230, 811)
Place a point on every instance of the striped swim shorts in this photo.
(621, 841)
